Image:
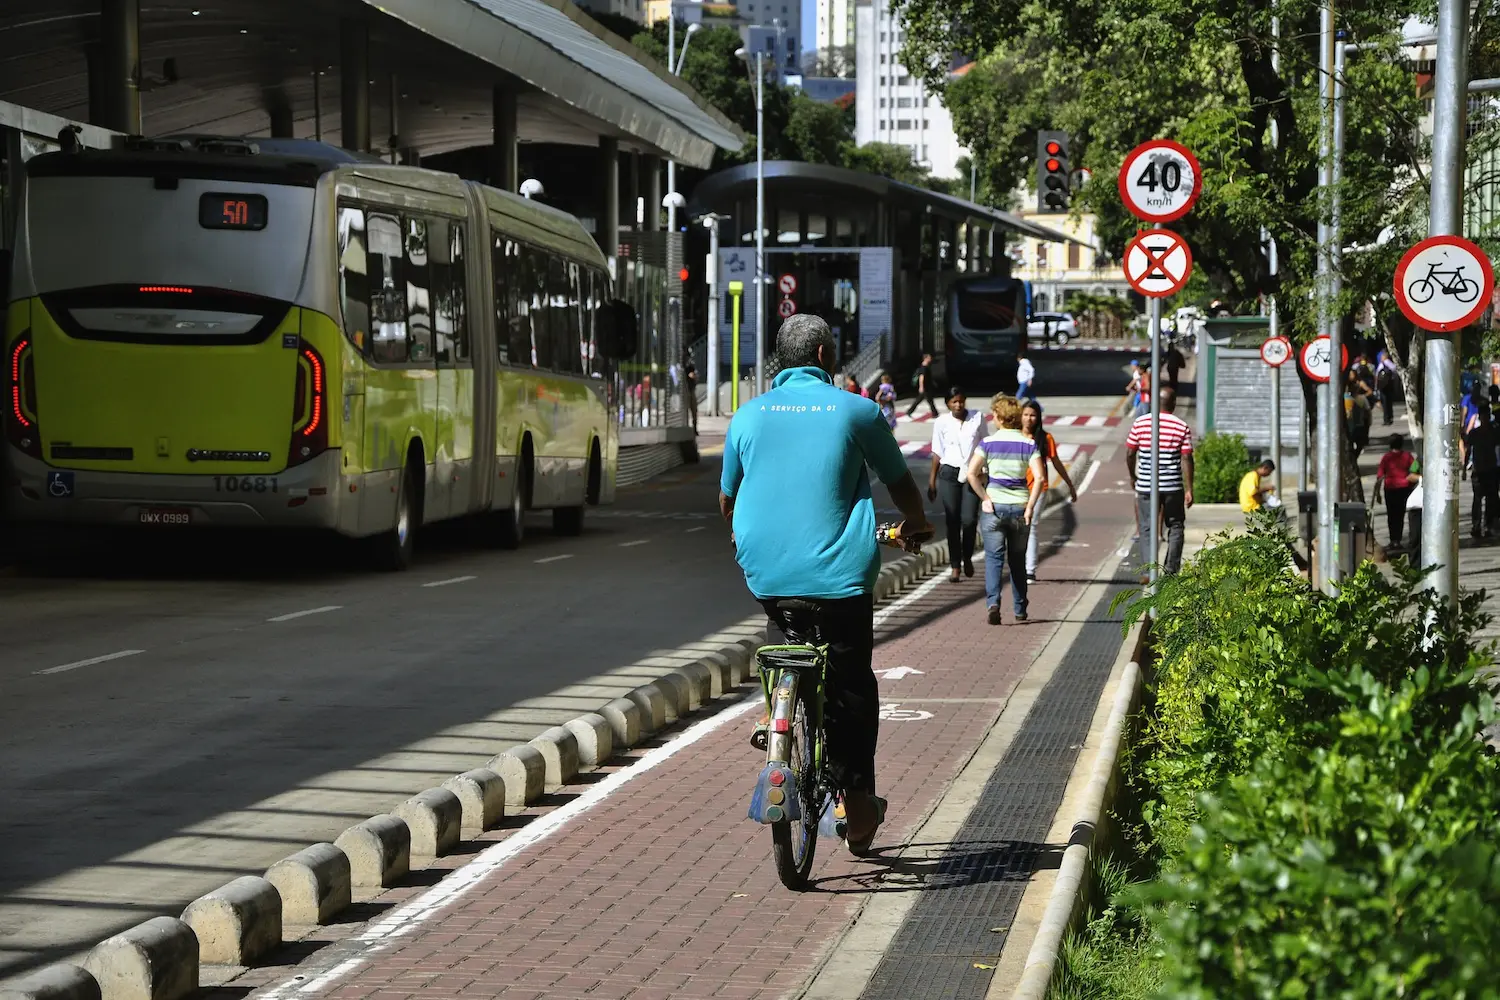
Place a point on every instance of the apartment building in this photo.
(1057, 272)
(890, 104)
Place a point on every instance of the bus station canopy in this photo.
(224, 66)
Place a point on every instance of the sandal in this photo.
(859, 848)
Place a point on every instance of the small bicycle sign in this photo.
(1444, 283)
(1316, 355)
(1275, 351)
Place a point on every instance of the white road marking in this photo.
(406, 919)
(89, 662)
(1088, 477)
(451, 579)
(303, 614)
(912, 447)
(551, 559)
(701, 527)
(638, 541)
(895, 713)
(896, 673)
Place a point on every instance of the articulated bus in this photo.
(226, 332)
(985, 323)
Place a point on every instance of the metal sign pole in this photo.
(737, 293)
(1273, 253)
(711, 361)
(761, 319)
(1440, 416)
(1328, 398)
(1155, 314)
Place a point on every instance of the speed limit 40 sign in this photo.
(1160, 180)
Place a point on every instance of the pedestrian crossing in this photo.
(1049, 420)
(1069, 452)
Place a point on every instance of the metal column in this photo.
(505, 172)
(711, 275)
(119, 67)
(354, 84)
(609, 212)
(761, 319)
(1440, 410)
(1155, 313)
(1330, 398)
(1273, 254)
(651, 165)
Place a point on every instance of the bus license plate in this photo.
(166, 516)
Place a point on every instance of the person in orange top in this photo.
(1031, 424)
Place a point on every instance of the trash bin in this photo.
(1353, 526)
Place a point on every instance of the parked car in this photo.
(1052, 327)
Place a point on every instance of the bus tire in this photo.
(510, 524)
(393, 549)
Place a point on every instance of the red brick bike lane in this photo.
(661, 887)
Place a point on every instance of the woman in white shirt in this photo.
(955, 435)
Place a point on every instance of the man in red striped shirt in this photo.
(1174, 457)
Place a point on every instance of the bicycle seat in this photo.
(798, 618)
(797, 605)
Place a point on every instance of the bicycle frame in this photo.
(783, 670)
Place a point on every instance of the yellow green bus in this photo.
(281, 334)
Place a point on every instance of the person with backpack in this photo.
(921, 380)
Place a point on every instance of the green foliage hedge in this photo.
(1319, 813)
(1219, 462)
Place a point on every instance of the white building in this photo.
(771, 33)
(633, 9)
(890, 104)
(835, 25)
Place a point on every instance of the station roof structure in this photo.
(233, 61)
(726, 186)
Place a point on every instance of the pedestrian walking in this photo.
(851, 384)
(1394, 478)
(1357, 417)
(1385, 386)
(1174, 362)
(1031, 423)
(997, 473)
(1025, 374)
(885, 398)
(1479, 447)
(921, 380)
(955, 436)
(692, 393)
(1414, 513)
(1173, 461)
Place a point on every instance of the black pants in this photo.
(923, 395)
(1173, 505)
(961, 508)
(1387, 401)
(851, 714)
(1395, 511)
(1486, 508)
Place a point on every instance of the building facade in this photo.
(1058, 272)
(774, 27)
(891, 105)
(635, 10)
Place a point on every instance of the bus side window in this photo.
(504, 281)
(563, 297)
(586, 349)
(445, 260)
(386, 254)
(457, 301)
(354, 282)
(518, 294)
(534, 267)
(418, 291)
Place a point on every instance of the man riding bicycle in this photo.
(796, 492)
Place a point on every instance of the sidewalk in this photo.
(646, 881)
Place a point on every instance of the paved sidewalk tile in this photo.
(665, 889)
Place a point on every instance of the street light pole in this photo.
(1330, 396)
(760, 226)
(1440, 411)
(711, 272)
(1273, 254)
(674, 66)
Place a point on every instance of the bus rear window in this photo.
(219, 210)
(992, 311)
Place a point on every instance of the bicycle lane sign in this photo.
(1444, 283)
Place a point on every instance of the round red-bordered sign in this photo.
(787, 309)
(1315, 356)
(1160, 181)
(1444, 283)
(1276, 351)
(1157, 263)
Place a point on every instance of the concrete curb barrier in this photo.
(236, 923)
(739, 658)
(156, 960)
(701, 678)
(481, 794)
(379, 851)
(624, 718)
(524, 771)
(674, 688)
(652, 703)
(595, 739)
(434, 821)
(559, 750)
(55, 982)
(314, 885)
(720, 675)
(1065, 904)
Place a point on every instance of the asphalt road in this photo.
(179, 710)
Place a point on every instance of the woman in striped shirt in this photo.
(998, 472)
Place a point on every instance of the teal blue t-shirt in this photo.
(794, 462)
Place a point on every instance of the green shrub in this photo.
(1220, 461)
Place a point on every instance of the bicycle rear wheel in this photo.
(795, 842)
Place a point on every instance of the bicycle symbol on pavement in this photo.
(895, 713)
(1449, 281)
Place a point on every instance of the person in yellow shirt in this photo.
(1253, 495)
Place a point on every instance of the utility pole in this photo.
(1274, 267)
(1330, 394)
(761, 320)
(1440, 411)
(711, 272)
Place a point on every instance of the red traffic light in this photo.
(682, 275)
(1053, 148)
(1053, 165)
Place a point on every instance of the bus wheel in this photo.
(394, 548)
(510, 525)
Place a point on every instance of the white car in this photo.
(1052, 327)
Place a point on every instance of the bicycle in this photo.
(795, 795)
(1449, 282)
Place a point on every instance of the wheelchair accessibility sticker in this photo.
(60, 485)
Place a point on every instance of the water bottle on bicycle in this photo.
(795, 794)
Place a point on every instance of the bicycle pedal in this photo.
(775, 798)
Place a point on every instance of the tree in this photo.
(817, 132)
(887, 159)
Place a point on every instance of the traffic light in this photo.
(1052, 172)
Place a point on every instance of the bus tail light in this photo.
(310, 408)
(21, 427)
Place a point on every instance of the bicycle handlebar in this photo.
(890, 534)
